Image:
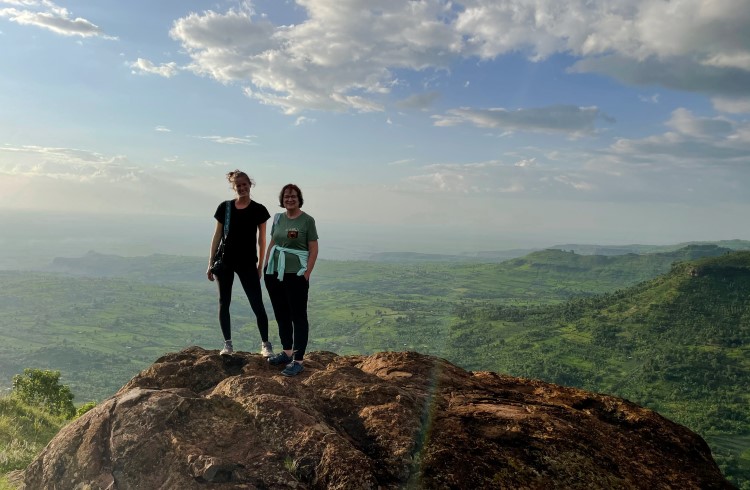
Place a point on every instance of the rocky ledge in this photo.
(195, 420)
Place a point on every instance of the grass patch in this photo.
(24, 431)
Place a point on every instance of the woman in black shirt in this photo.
(244, 253)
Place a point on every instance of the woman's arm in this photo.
(312, 247)
(261, 248)
(218, 232)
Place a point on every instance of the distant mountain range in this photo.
(644, 249)
(581, 249)
(168, 268)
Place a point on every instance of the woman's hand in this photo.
(218, 233)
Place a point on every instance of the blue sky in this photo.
(478, 124)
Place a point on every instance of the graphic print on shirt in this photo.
(292, 233)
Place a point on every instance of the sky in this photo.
(422, 125)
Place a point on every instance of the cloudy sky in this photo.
(489, 123)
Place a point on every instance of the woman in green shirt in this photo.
(290, 260)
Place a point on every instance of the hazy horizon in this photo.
(31, 240)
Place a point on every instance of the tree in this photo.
(85, 408)
(42, 388)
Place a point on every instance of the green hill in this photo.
(679, 343)
(556, 275)
(588, 249)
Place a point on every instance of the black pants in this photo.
(289, 301)
(250, 281)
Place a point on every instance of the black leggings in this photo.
(251, 284)
(289, 301)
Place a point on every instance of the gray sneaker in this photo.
(228, 349)
(280, 358)
(266, 349)
(293, 369)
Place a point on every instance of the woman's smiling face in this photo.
(242, 186)
(291, 201)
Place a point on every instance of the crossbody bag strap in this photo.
(227, 214)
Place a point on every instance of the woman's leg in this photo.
(251, 284)
(225, 281)
(277, 294)
(297, 293)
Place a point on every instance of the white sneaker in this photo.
(266, 349)
(227, 350)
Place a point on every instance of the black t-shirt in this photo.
(242, 241)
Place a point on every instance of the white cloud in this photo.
(650, 99)
(79, 180)
(514, 188)
(678, 73)
(576, 184)
(693, 141)
(684, 122)
(697, 159)
(162, 129)
(730, 60)
(571, 120)
(303, 120)
(47, 15)
(344, 54)
(421, 101)
(703, 30)
(340, 58)
(166, 70)
(439, 181)
(68, 164)
(739, 105)
(230, 140)
(401, 162)
(217, 163)
(525, 178)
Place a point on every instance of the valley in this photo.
(668, 330)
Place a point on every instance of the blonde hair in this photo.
(236, 174)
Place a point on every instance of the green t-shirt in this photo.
(294, 234)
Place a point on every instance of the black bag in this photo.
(218, 264)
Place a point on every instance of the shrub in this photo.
(42, 388)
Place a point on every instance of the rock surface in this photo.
(195, 420)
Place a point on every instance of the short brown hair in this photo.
(294, 188)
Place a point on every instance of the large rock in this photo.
(195, 420)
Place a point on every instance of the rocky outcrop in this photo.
(194, 420)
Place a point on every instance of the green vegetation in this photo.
(33, 413)
(99, 332)
(666, 330)
(24, 431)
(42, 389)
(679, 344)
